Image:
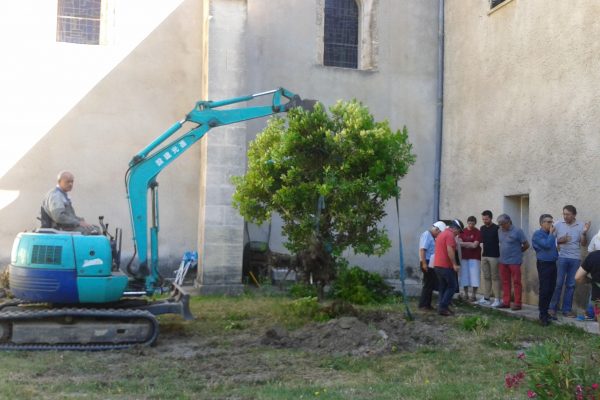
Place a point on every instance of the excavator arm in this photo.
(165, 149)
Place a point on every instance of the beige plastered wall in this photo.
(521, 113)
(89, 109)
(396, 79)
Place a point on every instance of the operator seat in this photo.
(45, 219)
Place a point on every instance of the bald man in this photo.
(57, 205)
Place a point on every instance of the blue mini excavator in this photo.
(70, 293)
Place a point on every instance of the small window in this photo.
(341, 34)
(494, 3)
(78, 21)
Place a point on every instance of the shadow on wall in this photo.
(154, 86)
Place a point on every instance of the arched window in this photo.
(341, 34)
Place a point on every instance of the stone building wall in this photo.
(521, 111)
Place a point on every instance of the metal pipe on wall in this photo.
(439, 112)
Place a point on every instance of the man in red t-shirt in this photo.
(446, 265)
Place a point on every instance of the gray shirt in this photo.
(571, 249)
(58, 206)
(510, 245)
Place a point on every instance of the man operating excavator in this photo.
(59, 210)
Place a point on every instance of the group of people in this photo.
(453, 256)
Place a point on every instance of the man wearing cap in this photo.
(513, 243)
(446, 265)
(426, 250)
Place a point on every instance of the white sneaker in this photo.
(497, 303)
(483, 302)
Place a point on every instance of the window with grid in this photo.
(78, 21)
(341, 34)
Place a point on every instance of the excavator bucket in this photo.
(178, 303)
(296, 101)
(308, 104)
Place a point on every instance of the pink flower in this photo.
(513, 380)
(521, 356)
(531, 394)
(595, 386)
(508, 381)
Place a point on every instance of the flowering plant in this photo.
(553, 372)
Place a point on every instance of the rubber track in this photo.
(108, 314)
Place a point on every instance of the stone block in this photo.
(233, 289)
(219, 195)
(215, 215)
(217, 255)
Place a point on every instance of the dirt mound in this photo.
(370, 334)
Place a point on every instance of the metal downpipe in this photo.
(439, 113)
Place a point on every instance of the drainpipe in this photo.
(439, 112)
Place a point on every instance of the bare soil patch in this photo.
(369, 334)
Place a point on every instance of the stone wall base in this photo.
(231, 289)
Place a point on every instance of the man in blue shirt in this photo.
(426, 249)
(544, 243)
(512, 245)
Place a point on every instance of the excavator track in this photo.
(76, 329)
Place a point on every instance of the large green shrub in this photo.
(360, 287)
(329, 177)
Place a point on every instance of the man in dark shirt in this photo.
(590, 272)
(544, 243)
(491, 283)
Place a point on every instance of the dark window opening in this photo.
(78, 21)
(341, 34)
(494, 3)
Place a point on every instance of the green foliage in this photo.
(299, 290)
(345, 161)
(554, 372)
(507, 338)
(475, 323)
(360, 287)
(308, 307)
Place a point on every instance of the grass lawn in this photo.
(222, 355)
